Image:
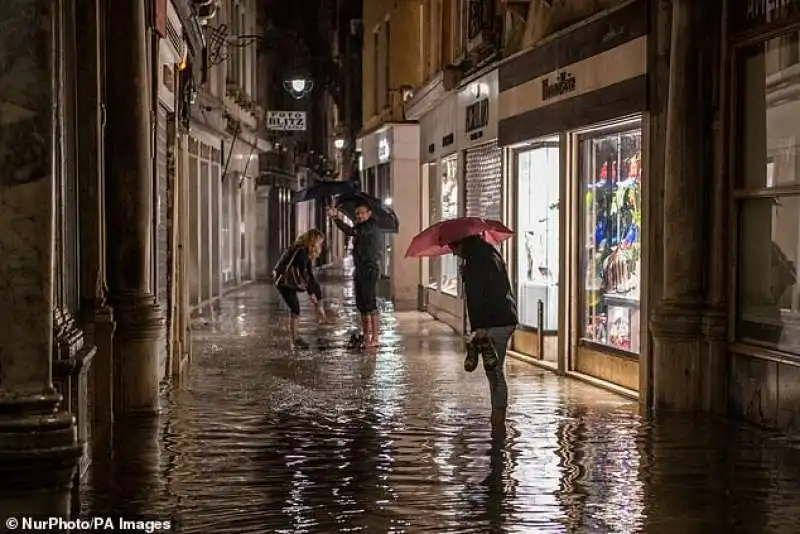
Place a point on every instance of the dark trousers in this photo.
(289, 296)
(366, 290)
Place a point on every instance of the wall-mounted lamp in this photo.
(338, 143)
(387, 201)
(298, 87)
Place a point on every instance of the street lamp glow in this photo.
(298, 85)
(387, 201)
(339, 144)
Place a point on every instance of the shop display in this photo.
(538, 233)
(612, 232)
(448, 264)
(434, 207)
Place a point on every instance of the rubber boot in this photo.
(366, 329)
(375, 328)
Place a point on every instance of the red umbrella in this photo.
(435, 240)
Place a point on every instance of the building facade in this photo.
(133, 204)
(639, 174)
(388, 146)
(576, 180)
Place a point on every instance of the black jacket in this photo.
(302, 262)
(367, 245)
(490, 301)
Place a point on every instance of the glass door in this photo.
(537, 225)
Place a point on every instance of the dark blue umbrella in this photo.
(325, 189)
(383, 214)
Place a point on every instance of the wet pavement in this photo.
(264, 440)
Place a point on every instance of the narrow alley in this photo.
(328, 440)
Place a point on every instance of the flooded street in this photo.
(262, 440)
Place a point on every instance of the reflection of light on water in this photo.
(444, 447)
(537, 470)
(619, 503)
(240, 323)
(388, 383)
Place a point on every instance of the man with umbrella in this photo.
(367, 249)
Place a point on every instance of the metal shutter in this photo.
(483, 182)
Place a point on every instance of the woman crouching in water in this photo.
(294, 274)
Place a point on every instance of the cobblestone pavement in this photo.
(263, 440)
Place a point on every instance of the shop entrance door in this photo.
(537, 168)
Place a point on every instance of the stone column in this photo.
(96, 317)
(38, 442)
(678, 372)
(181, 239)
(129, 196)
(715, 315)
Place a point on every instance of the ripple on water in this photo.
(262, 440)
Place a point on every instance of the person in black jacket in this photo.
(294, 274)
(367, 249)
(492, 312)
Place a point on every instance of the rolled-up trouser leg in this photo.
(499, 338)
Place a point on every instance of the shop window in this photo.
(611, 238)
(448, 264)
(769, 100)
(768, 194)
(434, 207)
(384, 193)
(537, 233)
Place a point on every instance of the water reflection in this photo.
(266, 440)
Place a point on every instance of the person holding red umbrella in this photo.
(491, 304)
(492, 312)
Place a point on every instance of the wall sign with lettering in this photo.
(477, 115)
(448, 140)
(384, 150)
(562, 84)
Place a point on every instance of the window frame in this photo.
(515, 152)
(618, 127)
(739, 194)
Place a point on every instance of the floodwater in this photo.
(261, 440)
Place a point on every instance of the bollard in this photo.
(540, 327)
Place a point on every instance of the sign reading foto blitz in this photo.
(286, 121)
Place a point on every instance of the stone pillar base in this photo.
(715, 358)
(138, 341)
(98, 324)
(678, 382)
(39, 452)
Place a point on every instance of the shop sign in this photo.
(168, 77)
(477, 115)
(384, 152)
(754, 13)
(562, 84)
(431, 148)
(286, 121)
(448, 139)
